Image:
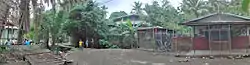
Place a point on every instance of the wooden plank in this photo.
(246, 43)
(192, 39)
(209, 39)
(230, 39)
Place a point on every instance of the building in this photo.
(216, 34)
(8, 31)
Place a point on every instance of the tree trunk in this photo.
(24, 19)
(53, 41)
(36, 22)
(46, 41)
(20, 32)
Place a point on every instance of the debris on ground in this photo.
(209, 57)
(246, 56)
(171, 60)
(44, 59)
(184, 60)
(206, 64)
(235, 57)
(177, 55)
(12, 59)
(33, 57)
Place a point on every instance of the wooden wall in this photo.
(201, 43)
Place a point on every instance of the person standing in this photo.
(92, 43)
(27, 43)
(87, 43)
(81, 44)
(8, 43)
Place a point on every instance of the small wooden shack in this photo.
(217, 33)
(155, 38)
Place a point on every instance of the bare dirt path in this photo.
(138, 57)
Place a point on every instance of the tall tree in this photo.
(24, 19)
(85, 21)
(162, 15)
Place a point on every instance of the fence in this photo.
(155, 38)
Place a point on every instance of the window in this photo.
(216, 35)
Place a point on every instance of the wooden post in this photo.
(175, 41)
(192, 39)
(246, 35)
(138, 39)
(154, 44)
(229, 38)
(12, 33)
(220, 40)
(209, 39)
(8, 32)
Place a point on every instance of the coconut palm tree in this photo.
(197, 7)
(137, 8)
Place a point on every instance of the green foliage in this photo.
(85, 17)
(204, 7)
(117, 14)
(31, 34)
(124, 33)
(3, 49)
(165, 16)
(87, 21)
(245, 5)
(137, 8)
(52, 25)
(107, 44)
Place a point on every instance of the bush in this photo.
(107, 44)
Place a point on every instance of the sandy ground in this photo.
(138, 57)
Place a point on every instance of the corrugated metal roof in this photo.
(124, 16)
(156, 27)
(213, 14)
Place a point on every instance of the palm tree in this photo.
(137, 8)
(194, 6)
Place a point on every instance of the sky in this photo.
(127, 5)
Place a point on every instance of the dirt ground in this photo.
(134, 57)
(24, 55)
(139, 57)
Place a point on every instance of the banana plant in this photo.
(125, 33)
(245, 5)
